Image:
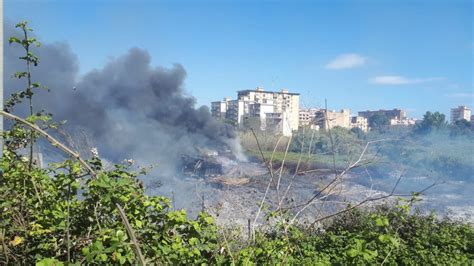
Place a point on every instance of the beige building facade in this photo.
(340, 118)
(314, 118)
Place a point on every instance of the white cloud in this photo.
(461, 95)
(345, 61)
(399, 80)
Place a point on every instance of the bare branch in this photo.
(273, 153)
(268, 186)
(131, 234)
(51, 140)
(261, 152)
(282, 166)
(371, 199)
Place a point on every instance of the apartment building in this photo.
(316, 119)
(307, 116)
(340, 118)
(390, 114)
(459, 113)
(219, 108)
(360, 122)
(278, 111)
(402, 122)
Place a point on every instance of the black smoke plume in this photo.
(130, 108)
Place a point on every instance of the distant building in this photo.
(335, 118)
(278, 111)
(307, 116)
(360, 122)
(316, 119)
(219, 109)
(235, 111)
(390, 114)
(460, 113)
(403, 122)
(397, 117)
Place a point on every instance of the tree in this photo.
(379, 121)
(358, 132)
(431, 121)
(461, 127)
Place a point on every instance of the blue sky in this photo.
(416, 55)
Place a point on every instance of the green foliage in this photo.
(41, 209)
(436, 154)
(346, 142)
(31, 59)
(358, 132)
(378, 121)
(431, 121)
(388, 235)
(461, 128)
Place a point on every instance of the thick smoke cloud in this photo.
(129, 107)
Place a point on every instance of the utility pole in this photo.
(326, 120)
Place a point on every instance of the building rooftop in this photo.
(284, 91)
(383, 110)
(461, 107)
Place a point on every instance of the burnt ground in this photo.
(235, 197)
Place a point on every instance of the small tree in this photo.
(358, 132)
(378, 121)
(461, 127)
(31, 60)
(431, 121)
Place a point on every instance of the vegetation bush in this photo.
(45, 215)
(387, 235)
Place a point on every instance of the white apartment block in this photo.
(459, 113)
(274, 110)
(402, 122)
